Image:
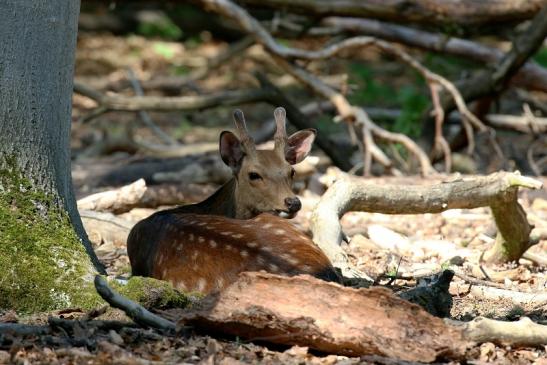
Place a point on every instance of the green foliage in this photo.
(413, 104)
(164, 49)
(43, 263)
(161, 27)
(541, 57)
(411, 99)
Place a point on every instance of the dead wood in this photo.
(328, 317)
(498, 191)
(523, 332)
(466, 12)
(115, 201)
(517, 297)
(135, 103)
(135, 311)
(492, 81)
(530, 76)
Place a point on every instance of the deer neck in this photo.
(223, 202)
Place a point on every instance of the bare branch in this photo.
(463, 12)
(530, 76)
(127, 103)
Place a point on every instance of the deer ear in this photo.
(230, 150)
(299, 145)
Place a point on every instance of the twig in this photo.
(136, 312)
(145, 117)
(358, 115)
(530, 156)
(106, 217)
(440, 142)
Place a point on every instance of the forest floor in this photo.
(378, 244)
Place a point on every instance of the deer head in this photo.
(264, 177)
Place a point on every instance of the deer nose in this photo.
(293, 204)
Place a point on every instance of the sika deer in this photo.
(201, 247)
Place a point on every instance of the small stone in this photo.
(115, 338)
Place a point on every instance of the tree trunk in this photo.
(37, 46)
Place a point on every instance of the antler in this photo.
(246, 140)
(280, 132)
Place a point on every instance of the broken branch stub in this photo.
(305, 311)
(497, 191)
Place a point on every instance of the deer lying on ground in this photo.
(204, 246)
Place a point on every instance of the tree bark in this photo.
(37, 46)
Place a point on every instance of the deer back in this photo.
(206, 253)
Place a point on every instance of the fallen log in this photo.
(327, 317)
(498, 191)
(115, 201)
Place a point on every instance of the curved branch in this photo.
(496, 190)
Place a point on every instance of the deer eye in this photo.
(254, 176)
(292, 173)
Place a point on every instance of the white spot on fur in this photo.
(229, 247)
(290, 259)
(247, 225)
(280, 231)
(268, 225)
(286, 240)
(195, 255)
(179, 247)
(252, 244)
(200, 286)
(244, 253)
(294, 251)
(191, 237)
(266, 249)
(227, 233)
(212, 243)
(237, 235)
(220, 283)
(273, 267)
(201, 239)
(260, 260)
(306, 268)
(201, 224)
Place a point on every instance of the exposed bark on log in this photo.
(497, 190)
(115, 201)
(463, 12)
(328, 317)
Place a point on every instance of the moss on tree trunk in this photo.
(43, 264)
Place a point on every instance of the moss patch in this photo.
(43, 263)
(152, 293)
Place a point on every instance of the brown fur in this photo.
(206, 253)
